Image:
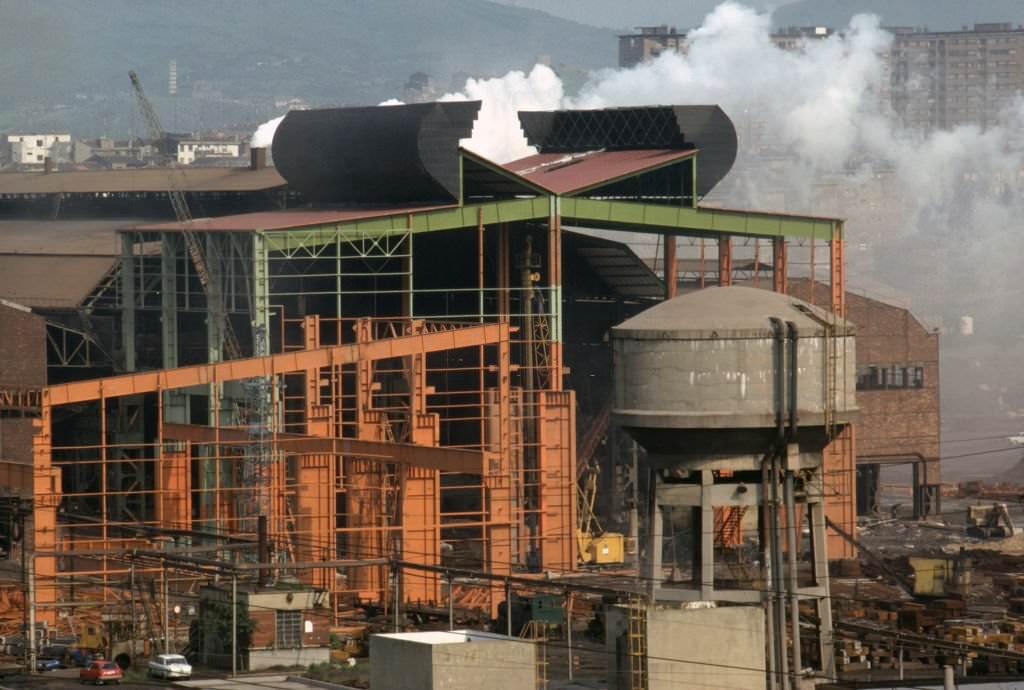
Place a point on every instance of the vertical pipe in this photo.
(769, 607)
(398, 595)
(772, 499)
(948, 679)
(508, 608)
(451, 603)
(794, 600)
(30, 572)
(131, 598)
(782, 662)
(568, 628)
(234, 624)
(167, 629)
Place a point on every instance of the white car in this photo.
(169, 666)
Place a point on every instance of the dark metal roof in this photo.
(51, 280)
(677, 127)
(284, 220)
(93, 236)
(140, 180)
(616, 265)
(563, 173)
(393, 154)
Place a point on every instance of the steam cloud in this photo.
(945, 236)
(946, 233)
(264, 134)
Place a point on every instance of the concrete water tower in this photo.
(734, 393)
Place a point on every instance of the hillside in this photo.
(66, 56)
(937, 15)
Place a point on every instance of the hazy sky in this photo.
(625, 15)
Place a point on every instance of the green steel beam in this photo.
(627, 215)
(507, 211)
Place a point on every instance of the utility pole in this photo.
(398, 596)
(30, 572)
(508, 607)
(568, 627)
(234, 624)
(167, 629)
(451, 603)
(131, 600)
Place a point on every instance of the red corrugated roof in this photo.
(564, 173)
(283, 220)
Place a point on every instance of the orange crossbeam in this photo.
(411, 454)
(272, 365)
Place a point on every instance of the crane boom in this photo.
(175, 193)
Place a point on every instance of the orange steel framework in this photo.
(324, 495)
(361, 450)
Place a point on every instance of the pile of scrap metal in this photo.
(993, 522)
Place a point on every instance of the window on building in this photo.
(39, 142)
(289, 629)
(892, 377)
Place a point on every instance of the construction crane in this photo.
(175, 192)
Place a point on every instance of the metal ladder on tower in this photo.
(636, 639)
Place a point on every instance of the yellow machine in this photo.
(594, 545)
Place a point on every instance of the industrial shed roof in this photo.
(565, 173)
(94, 236)
(140, 180)
(51, 280)
(284, 220)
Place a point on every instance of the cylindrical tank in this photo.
(696, 376)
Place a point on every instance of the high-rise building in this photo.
(930, 79)
(941, 79)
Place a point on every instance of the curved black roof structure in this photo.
(704, 127)
(375, 155)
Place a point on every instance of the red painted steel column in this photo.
(725, 260)
(671, 266)
(779, 267)
(837, 277)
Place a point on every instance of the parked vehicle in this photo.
(100, 672)
(169, 666)
(44, 665)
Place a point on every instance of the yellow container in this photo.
(607, 548)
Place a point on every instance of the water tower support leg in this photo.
(654, 536)
(707, 537)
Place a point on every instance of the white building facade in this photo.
(189, 151)
(34, 149)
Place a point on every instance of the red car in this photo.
(100, 672)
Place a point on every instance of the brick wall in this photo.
(22, 366)
(894, 422)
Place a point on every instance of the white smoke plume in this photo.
(933, 215)
(264, 134)
(824, 106)
(496, 134)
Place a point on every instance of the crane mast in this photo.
(214, 299)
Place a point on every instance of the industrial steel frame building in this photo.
(405, 390)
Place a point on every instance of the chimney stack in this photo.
(48, 165)
(257, 158)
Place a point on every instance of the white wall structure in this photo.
(191, 150)
(457, 660)
(34, 149)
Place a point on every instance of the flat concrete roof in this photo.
(434, 637)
